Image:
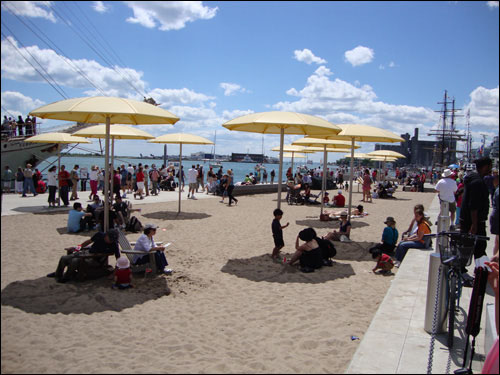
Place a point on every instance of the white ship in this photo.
(17, 153)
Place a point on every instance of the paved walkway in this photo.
(396, 342)
(14, 204)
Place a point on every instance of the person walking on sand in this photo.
(192, 181)
(230, 187)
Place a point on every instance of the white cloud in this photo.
(342, 102)
(35, 9)
(16, 68)
(231, 88)
(168, 15)
(16, 103)
(359, 55)
(392, 64)
(484, 113)
(308, 57)
(100, 7)
(170, 97)
(492, 4)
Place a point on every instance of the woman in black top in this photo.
(309, 254)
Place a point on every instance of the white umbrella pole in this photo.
(323, 183)
(58, 171)
(112, 166)
(106, 176)
(180, 176)
(280, 174)
(351, 166)
(293, 154)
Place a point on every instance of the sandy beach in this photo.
(231, 308)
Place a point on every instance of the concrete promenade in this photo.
(396, 342)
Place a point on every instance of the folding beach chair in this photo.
(126, 248)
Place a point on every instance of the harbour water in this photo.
(240, 170)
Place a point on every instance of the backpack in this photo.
(327, 248)
(134, 225)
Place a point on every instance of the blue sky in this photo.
(377, 63)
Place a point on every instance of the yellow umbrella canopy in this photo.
(108, 110)
(58, 138)
(328, 146)
(96, 109)
(115, 132)
(289, 148)
(386, 154)
(293, 155)
(378, 158)
(359, 155)
(180, 139)
(362, 133)
(65, 138)
(329, 143)
(277, 122)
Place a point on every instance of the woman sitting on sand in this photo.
(309, 254)
(344, 230)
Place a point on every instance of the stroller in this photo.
(168, 184)
(294, 196)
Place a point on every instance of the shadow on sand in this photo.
(263, 268)
(45, 296)
(173, 215)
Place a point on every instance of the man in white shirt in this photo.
(192, 176)
(446, 187)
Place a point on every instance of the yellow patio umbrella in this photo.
(328, 146)
(108, 110)
(116, 132)
(58, 138)
(359, 155)
(291, 149)
(180, 139)
(276, 122)
(386, 155)
(362, 133)
(293, 155)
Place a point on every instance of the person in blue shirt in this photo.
(76, 218)
(389, 238)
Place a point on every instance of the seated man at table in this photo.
(77, 219)
(102, 243)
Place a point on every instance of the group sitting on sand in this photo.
(313, 254)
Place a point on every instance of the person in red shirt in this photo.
(140, 183)
(384, 262)
(64, 177)
(123, 275)
(374, 175)
(339, 200)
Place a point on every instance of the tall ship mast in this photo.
(447, 136)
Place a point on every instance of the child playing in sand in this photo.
(278, 232)
(384, 262)
(123, 275)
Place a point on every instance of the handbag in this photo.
(70, 183)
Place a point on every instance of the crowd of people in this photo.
(12, 128)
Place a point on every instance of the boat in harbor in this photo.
(17, 153)
(215, 163)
